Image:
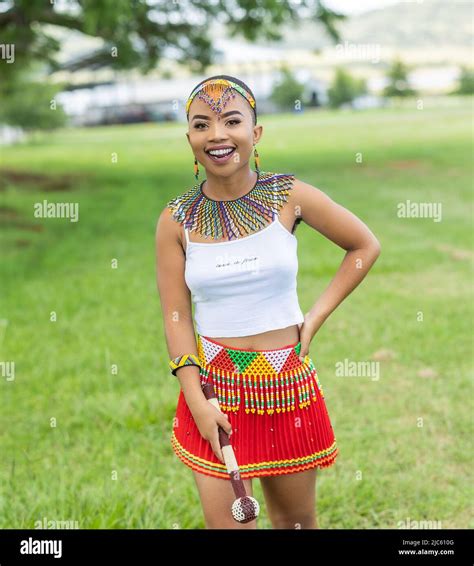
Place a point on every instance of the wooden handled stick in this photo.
(245, 508)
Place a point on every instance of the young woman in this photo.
(252, 338)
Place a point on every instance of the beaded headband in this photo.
(217, 93)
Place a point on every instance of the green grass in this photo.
(390, 469)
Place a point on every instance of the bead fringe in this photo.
(265, 393)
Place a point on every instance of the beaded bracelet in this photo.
(184, 360)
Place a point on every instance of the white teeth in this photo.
(221, 151)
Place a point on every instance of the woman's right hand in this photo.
(208, 419)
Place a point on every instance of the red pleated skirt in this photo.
(275, 403)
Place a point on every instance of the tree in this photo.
(398, 81)
(344, 88)
(137, 33)
(466, 82)
(288, 91)
(32, 105)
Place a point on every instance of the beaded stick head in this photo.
(245, 509)
(217, 91)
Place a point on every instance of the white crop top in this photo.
(244, 286)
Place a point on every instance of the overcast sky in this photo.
(351, 7)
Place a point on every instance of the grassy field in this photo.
(81, 442)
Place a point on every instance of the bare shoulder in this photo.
(312, 200)
(304, 201)
(303, 191)
(168, 229)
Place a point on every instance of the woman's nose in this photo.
(216, 130)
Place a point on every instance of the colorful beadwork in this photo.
(231, 219)
(321, 458)
(184, 360)
(283, 426)
(217, 93)
(270, 381)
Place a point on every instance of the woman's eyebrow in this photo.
(202, 117)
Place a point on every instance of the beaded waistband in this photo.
(249, 362)
(268, 380)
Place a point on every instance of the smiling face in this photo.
(222, 142)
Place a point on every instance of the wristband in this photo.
(184, 360)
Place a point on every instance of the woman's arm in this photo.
(347, 231)
(176, 306)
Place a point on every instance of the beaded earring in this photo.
(257, 159)
(196, 169)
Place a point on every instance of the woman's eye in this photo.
(230, 122)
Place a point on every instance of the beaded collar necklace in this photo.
(232, 219)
